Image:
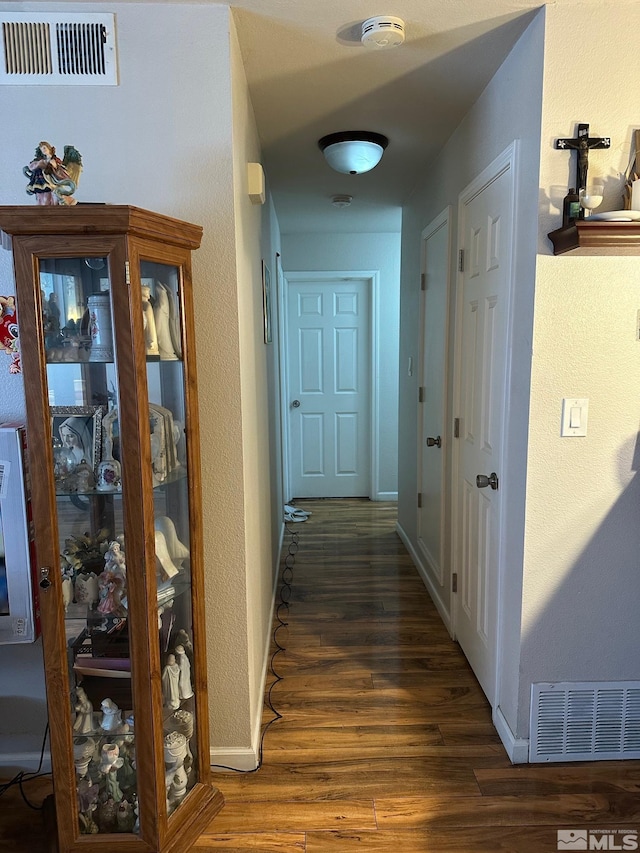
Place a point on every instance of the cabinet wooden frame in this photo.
(126, 236)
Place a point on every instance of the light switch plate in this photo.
(575, 412)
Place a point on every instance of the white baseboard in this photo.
(517, 748)
(233, 759)
(385, 496)
(441, 607)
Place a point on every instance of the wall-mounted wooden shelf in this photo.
(597, 238)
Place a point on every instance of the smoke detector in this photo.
(383, 31)
(341, 200)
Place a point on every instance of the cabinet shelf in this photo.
(584, 237)
(172, 477)
(155, 359)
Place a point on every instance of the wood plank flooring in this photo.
(386, 742)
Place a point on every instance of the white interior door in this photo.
(486, 217)
(436, 255)
(329, 358)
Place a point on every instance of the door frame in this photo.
(443, 220)
(506, 161)
(372, 278)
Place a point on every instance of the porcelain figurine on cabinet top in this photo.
(52, 180)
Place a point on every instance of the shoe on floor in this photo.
(290, 516)
(294, 510)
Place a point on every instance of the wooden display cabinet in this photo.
(104, 301)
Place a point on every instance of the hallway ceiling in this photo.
(309, 75)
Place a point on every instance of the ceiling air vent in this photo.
(58, 49)
(587, 721)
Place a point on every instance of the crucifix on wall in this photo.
(583, 143)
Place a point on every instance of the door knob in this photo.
(482, 481)
(296, 404)
(434, 442)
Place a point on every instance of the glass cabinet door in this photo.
(82, 392)
(83, 397)
(161, 310)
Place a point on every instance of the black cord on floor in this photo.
(284, 596)
(27, 776)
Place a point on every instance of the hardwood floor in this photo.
(385, 742)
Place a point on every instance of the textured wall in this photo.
(156, 141)
(581, 588)
(254, 242)
(581, 592)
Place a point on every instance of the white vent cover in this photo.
(62, 49)
(383, 31)
(585, 721)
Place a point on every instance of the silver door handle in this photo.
(482, 481)
(434, 442)
(296, 404)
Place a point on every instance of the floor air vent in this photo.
(588, 721)
(57, 49)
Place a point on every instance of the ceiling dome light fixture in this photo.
(353, 151)
(383, 31)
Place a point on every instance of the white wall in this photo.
(571, 589)
(256, 238)
(362, 251)
(581, 586)
(162, 140)
(508, 109)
